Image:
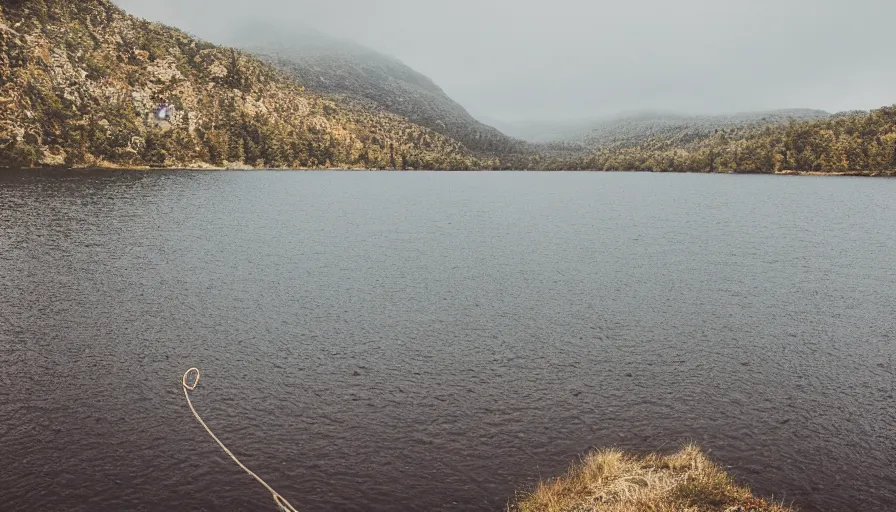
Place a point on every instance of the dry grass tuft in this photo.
(612, 481)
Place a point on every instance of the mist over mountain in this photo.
(631, 127)
(634, 128)
(536, 131)
(330, 65)
(516, 60)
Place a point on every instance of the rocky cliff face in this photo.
(84, 84)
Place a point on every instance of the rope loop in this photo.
(195, 381)
(281, 502)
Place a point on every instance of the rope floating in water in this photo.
(281, 502)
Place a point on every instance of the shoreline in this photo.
(866, 174)
(242, 167)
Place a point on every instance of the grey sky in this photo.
(562, 59)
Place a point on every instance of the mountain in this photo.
(636, 128)
(630, 128)
(540, 132)
(855, 143)
(332, 66)
(84, 84)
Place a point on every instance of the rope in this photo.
(281, 502)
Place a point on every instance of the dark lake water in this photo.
(435, 341)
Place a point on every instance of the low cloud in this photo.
(564, 59)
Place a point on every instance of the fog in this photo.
(514, 60)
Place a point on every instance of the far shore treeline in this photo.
(860, 142)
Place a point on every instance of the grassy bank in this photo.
(612, 481)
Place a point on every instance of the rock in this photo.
(140, 55)
(165, 70)
(53, 156)
(137, 144)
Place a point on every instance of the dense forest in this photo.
(849, 143)
(84, 84)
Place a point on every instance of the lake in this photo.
(435, 341)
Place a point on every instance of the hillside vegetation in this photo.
(331, 66)
(82, 84)
(677, 129)
(632, 128)
(612, 481)
(854, 143)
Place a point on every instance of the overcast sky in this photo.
(565, 59)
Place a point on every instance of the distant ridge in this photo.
(784, 142)
(631, 127)
(328, 65)
(636, 128)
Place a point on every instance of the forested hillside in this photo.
(631, 128)
(84, 84)
(851, 143)
(332, 66)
